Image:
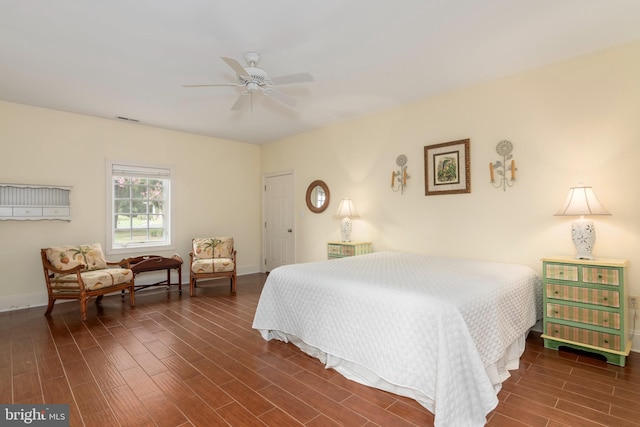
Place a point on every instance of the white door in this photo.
(279, 221)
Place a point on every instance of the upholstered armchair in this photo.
(82, 272)
(211, 258)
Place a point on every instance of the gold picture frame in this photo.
(447, 168)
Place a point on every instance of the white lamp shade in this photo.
(346, 210)
(581, 201)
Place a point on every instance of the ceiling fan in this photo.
(255, 79)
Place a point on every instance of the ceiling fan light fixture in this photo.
(256, 75)
(256, 79)
(252, 58)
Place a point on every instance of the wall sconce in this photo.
(503, 148)
(400, 175)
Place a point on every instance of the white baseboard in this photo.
(635, 342)
(21, 301)
(40, 299)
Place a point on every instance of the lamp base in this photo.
(583, 234)
(345, 229)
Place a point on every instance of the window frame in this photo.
(147, 170)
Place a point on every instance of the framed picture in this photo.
(447, 168)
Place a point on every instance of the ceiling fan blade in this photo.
(239, 69)
(241, 101)
(220, 84)
(285, 99)
(292, 78)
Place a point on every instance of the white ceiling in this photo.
(130, 58)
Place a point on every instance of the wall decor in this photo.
(447, 168)
(400, 176)
(504, 148)
(317, 196)
(24, 202)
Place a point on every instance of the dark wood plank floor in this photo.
(181, 361)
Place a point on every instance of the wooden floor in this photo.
(181, 361)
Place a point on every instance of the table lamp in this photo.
(581, 201)
(346, 211)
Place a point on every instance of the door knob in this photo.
(289, 230)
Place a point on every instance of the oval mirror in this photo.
(317, 196)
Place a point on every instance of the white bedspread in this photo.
(440, 330)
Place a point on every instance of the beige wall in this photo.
(572, 122)
(576, 121)
(40, 146)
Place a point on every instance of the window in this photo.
(139, 207)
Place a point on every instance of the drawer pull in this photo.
(556, 292)
(599, 276)
(606, 341)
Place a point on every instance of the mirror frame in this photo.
(327, 198)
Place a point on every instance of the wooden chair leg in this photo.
(50, 306)
(83, 309)
(192, 287)
(132, 296)
(233, 284)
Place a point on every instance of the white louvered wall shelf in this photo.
(34, 202)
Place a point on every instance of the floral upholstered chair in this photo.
(81, 272)
(212, 257)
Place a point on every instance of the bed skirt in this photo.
(497, 372)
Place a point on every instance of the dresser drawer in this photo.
(586, 295)
(561, 272)
(584, 336)
(348, 250)
(601, 276)
(334, 249)
(606, 319)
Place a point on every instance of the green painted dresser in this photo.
(347, 249)
(585, 306)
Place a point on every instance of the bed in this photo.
(443, 331)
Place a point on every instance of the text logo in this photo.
(34, 415)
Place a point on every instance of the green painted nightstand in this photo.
(585, 306)
(345, 249)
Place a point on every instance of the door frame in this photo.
(265, 176)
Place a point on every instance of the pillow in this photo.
(213, 247)
(70, 256)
